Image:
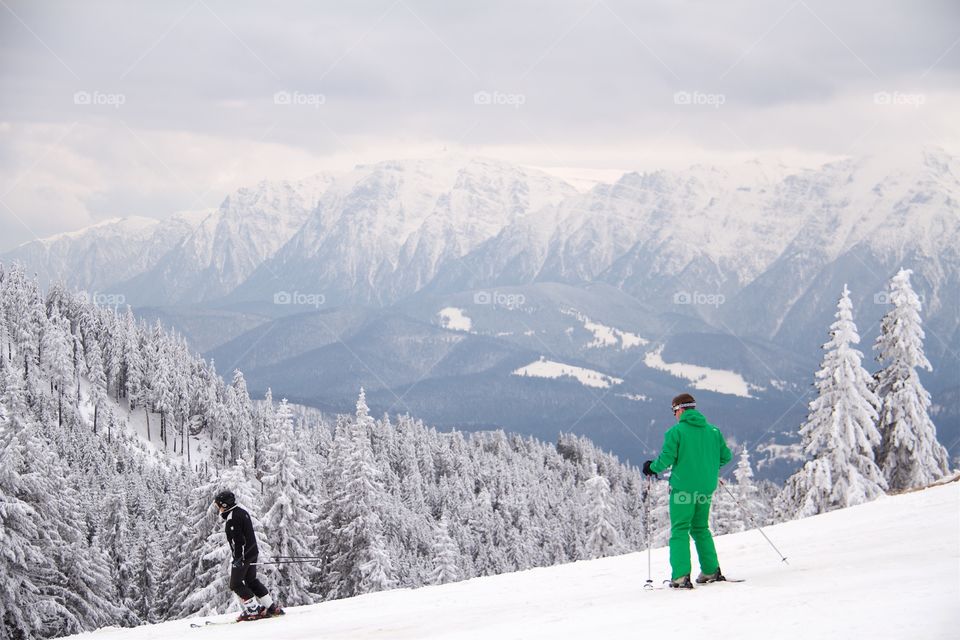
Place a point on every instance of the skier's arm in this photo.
(725, 455)
(240, 537)
(249, 541)
(668, 456)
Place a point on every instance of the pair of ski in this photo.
(649, 586)
(212, 623)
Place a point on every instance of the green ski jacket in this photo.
(696, 450)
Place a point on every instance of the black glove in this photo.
(647, 471)
(238, 563)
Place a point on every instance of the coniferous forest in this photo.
(105, 525)
(101, 526)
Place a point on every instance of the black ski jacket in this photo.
(239, 530)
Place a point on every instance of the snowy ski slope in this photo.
(888, 569)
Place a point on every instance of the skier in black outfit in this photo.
(254, 597)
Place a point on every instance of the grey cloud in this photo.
(590, 73)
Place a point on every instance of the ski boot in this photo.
(705, 578)
(254, 612)
(683, 582)
(273, 610)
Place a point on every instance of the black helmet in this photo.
(225, 499)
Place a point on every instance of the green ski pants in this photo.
(690, 517)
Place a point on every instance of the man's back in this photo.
(239, 530)
(696, 450)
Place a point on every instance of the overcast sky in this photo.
(145, 108)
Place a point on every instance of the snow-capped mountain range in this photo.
(733, 269)
(384, 231)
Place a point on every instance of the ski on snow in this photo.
(212, 623)
(649, 586)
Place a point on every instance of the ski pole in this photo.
(646, 526)
(256, 564)
(284, 559)
(754, 522)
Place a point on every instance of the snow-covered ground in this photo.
(636, 397)
(705, 378)
(544, 368)
(134, 423)
(770, 452)
(888, 569)
(604, 336)
(455, 319)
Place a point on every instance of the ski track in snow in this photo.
(904, 584)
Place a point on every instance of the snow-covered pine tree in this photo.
(181, 385)
(4, 340)
(603, 539)
(747, 506)
(265, 419)
(58, 358)
(909, 454)
(725, 515)
(237, 440)
(117, 544)
(72, 578)
(287, 522)
(23, 610)
(146, 584)
(201, 583)
(79, 362)
(116, 340)
(158, 378)
(445, 554)
(657, 521)
(132, 371)
(96, 377)
(358, 560)
(25, 317)
(840, 432)
(81, 558)
(746, 489)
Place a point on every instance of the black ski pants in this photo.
(244, 583)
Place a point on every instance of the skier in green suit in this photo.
(696, 450)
